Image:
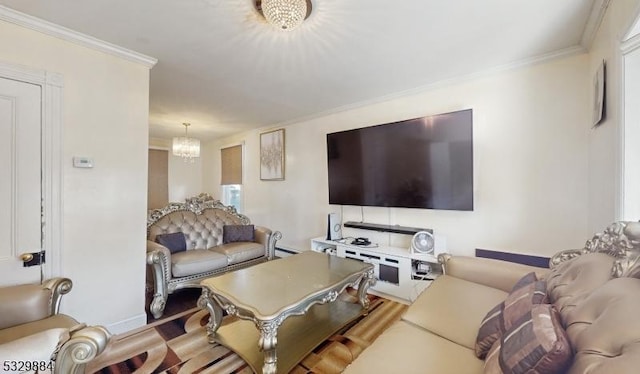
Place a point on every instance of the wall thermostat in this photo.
(82, 162)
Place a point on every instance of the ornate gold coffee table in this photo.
(266, 295)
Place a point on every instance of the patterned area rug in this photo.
(179, 345)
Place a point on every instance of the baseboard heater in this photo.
(538, 261)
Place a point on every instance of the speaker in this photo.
(334, 227)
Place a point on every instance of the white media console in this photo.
(401, 275)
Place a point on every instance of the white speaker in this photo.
(334, 227)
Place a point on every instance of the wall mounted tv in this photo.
(418, 163)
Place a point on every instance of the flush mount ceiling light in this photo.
(284, 14)
(186, 147)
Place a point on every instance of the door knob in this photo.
(26, 257)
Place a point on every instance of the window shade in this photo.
(158, 183)
(231, 170)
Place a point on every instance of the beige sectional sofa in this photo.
(596, 291)
(202, 221)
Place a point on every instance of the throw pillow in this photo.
(526, 280)
(501, 317)
(520, 302)
(175, 241)
(536, 344)
(492, 362)
(238, 233)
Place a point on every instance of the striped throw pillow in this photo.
(517, 303)
(536, 343)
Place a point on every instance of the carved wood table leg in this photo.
(205, 301)
(367, 280)
(268, 341)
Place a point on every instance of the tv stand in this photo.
(401, 274)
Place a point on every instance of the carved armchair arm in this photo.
(565, 255)
(268, 238)
(30, 302)
(84, 343)
(159, 258)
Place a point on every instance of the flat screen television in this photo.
(418, 163)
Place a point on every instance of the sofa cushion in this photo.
(196, 261)
(578, 277)
(34, 298)
(35, 348)
(501, 317)
(240, 251)
(238, 233)
(604, 330)
(536, 343)
(405, 348)
(453, 308)
(175, 242)
(26, 329)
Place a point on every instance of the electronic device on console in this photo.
(361, 241)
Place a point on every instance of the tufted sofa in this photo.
(202, 220)
(595, 291)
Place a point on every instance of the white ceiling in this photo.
(222, 68)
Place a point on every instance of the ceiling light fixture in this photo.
(186, 147)
(284, 14)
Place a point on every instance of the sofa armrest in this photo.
(84, 343)
(268, 238)
(498, 274)
(31, 302)
(159, 258)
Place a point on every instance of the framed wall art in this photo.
(272, 155)
(599, 95)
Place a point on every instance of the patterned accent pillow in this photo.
(501, 317)
(492, 362)
(526, 280)
(238, 233)
(175, 241)
(520, 302)
(537, 343)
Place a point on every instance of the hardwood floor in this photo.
(177, 302)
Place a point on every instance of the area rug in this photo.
(179, 345)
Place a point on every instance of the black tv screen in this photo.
(418, 163)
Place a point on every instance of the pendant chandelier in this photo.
(284, 14)
(186, 147)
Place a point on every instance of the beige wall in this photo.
(105, 117)
(530, 154)
(605, 141)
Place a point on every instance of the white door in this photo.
(20, 180)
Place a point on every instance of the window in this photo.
(231, 176)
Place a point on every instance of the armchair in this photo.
(35, 336)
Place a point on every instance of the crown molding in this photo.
(630, 44)
(598, 10)
(555, 55)
(61, 32)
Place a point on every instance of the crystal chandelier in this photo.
(186, 147)
(284, 14)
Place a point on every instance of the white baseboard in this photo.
(127, 324)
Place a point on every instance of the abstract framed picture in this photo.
(599, 95)
(272, 155)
